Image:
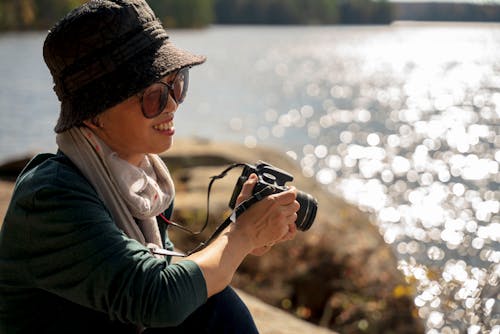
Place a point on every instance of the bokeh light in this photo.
(412, 137)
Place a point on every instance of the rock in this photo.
(271, 320)
(10, 169)
(339, 274)
(6, 188)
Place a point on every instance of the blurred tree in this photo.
(185, 13)
(365, 11)
(33, 14)
(48, 12)
(276, 11)
(16, 14)
(42, 14)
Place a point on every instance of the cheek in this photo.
(135, 134)
(129, 132)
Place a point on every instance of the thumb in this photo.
(247, 189)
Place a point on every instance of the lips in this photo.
(165, 126)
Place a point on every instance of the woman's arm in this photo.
(267, 222)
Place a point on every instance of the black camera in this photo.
(274, 178)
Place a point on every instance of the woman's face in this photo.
(131, 135)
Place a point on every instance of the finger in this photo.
(292, 230)
(295, 206)
(285, 197)
(290, 234)
(247, 189)
(290, 209)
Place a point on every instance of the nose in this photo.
(171, 106)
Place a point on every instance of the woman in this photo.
(78, 243)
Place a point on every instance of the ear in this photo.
(93, 123)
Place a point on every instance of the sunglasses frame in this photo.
(167, 92)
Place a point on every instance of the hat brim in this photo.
(169, 58)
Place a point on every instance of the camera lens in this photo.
(307, 211)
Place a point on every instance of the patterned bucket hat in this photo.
(105, 51)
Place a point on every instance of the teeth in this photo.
(164, 126)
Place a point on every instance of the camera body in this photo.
(274, 178)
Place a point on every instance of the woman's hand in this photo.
(267, 222)
(292, 230)
(272, 220)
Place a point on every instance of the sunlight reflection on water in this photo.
(406, 128)
(401, 120)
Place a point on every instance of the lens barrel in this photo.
(307, 211)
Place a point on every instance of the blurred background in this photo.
(394, 106)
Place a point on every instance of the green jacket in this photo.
(65, 267)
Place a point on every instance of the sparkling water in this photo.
(402, 120)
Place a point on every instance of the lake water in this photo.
(402, 120)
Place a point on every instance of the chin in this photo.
(165, 146)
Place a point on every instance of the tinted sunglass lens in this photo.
(180, 85)
(153, 100)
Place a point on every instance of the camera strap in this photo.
(238, 210)
(242, 207)
(249, 202)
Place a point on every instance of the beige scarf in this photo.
(134, 195)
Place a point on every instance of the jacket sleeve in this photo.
(74, 250)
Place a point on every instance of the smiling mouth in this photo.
(164, 126)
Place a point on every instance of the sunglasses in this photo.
(155, 98)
